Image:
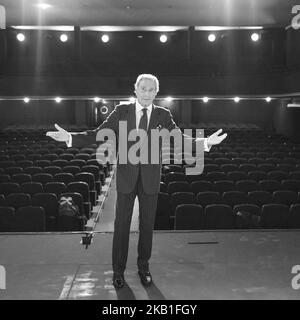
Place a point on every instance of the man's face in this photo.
(145, 92)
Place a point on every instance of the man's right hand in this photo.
(59, 135)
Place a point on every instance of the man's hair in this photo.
(147, 76)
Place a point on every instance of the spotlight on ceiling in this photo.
(163, 38)
(63, 37)
(26, 99)
(21, 37)
(58, 99)
(255, 37)
(205, 99)
(43, 6)
(236, 99)
(268, 99)
(212, 37)
(105, 38)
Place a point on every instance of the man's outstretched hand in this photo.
(215, 138)
(59, 135)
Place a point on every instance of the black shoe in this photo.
(146, 278)
(118, 280)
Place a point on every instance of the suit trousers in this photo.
(123, 215)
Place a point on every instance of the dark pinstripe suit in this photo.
(142, 180)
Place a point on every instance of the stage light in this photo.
(163, 38)
(212, 37)
(236, 99)
(58, 99)
(205, 99)
(97, 99)
(105, 38)
(26, 99)
(268, 99)
(169, 99)
(43, 6)
(255, 36)
(63, 38)
(21, 37)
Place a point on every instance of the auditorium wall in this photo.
(36, 113)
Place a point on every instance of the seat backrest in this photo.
(189, 217)
(30, 219)
(17, 200)
(218, 216)
(275, 216)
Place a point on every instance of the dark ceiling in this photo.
(267, 13)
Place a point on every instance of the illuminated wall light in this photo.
(105, 38)
(255, 37)
(58, 99)
(212, 37)
(21, 37)
(169, 99)
(97, 99)
(163, 38)
(205, 99)
(236, 99)
(268, 99)
(63, 38)
(26, 99)
(132, 99)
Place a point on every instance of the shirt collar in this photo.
(139, 107)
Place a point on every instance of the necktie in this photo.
(144, 120)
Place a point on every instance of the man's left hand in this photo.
(215, 138)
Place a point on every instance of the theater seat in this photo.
(233, 198)
(162, 218)
(7, 219)
(275, 216)
(285, 197)
(208, 197)
(218, 216)
(189, 217)
(17, 200)
(30, 219)
(294, 218)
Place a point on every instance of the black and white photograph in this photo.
(149, 153)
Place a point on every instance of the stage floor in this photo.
(184, 265)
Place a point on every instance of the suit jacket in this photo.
(127, 174)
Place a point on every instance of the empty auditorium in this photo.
(149, 151)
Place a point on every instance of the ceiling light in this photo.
(97, 99)
(43, 6)
(26, 99)
(205, 99)
(105, 38)
(236, 99)
(58, 99)
(255, 36)
(63, 38)
(268, 99)
(212, 37)
(163, 38)
(20, 37)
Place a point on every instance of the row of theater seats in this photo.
(21, 212)
(221, 216)
(36, 171)
(254, 171)
(230, 185)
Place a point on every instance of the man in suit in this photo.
(141, 179)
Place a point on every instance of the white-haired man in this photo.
(141, 179)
